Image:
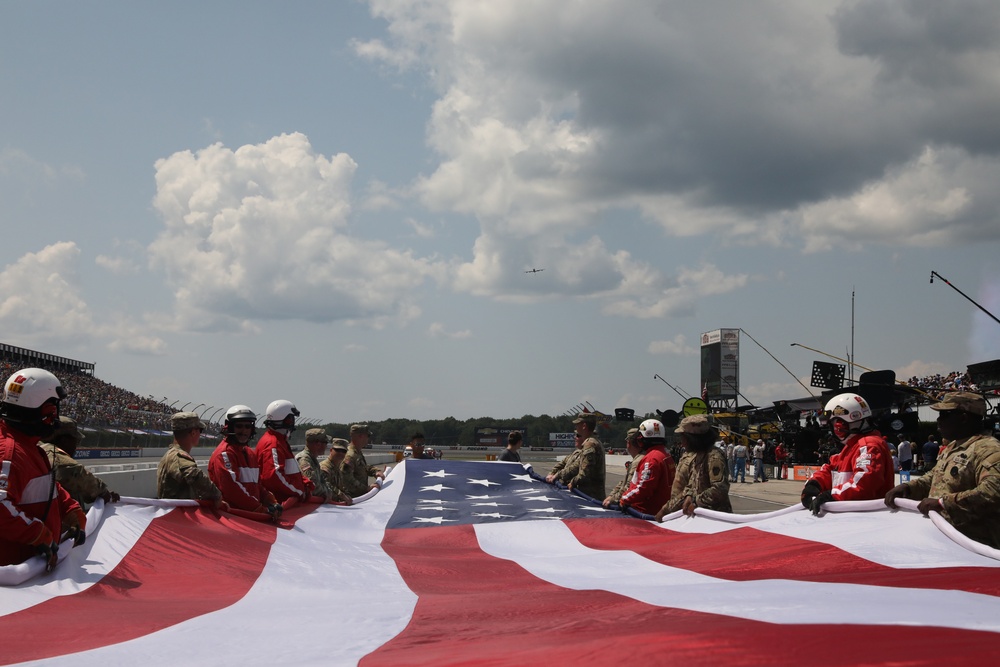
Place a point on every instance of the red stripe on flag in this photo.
(748, 554)
(188, 562)
(475, 609)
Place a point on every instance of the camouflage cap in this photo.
(360, 428)
(586, 418)
(316, 435)
(182, 421)
(339, 444)
(67, 427)
(694, 425)
(965, 401)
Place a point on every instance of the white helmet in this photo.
(281, 415)
(652, 429)
(850, 409)
(239, 413)
(31, 401)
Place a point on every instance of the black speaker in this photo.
(625, 414)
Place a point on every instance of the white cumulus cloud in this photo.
(263, 233)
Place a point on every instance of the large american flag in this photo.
(483, 563)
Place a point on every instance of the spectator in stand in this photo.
(510, 453)
(233, 466)
(863, 469)
(279, 471)
(964, 486)
(178, 475)
(82, 485)
(34, 509)
(702, 475)
(653, 477)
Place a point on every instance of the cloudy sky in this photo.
(336, 203)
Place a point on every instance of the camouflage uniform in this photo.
(335, 478)
(356, 472)
(567, 469)
(83, 486)
(967, 479)
(589, 478)
(310, 468)
(705, 477)
(622, 486)
(179, 477)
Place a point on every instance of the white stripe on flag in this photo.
(327, 595)
(549, 551)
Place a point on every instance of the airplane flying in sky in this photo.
(534, 270)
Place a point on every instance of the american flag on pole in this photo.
(460, 563)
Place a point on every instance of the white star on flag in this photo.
(523, 478)
(493, 515)
(432, 519)
(544, 499)
(440, 473)
(489, 504)
(484, 482)
(436, 487)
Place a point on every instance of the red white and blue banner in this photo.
(457, 563)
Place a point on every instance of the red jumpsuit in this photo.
(233, 468)
(25, 481)
(279, 471)
(863, 469)
(651, 482)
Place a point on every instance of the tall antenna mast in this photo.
(852, 336)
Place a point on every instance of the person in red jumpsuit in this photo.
(233, 466)
(652, 479)
(279, 471)
(863, 470)
(34, 509)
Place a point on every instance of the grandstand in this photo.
(110, 416)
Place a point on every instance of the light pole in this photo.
(185, 405)
(171, 406)
(202, 416)
(212, 418)
(195, 408)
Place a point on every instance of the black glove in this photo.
(810, 491)
(817, 503)
(275, 511)
(50, 552)
(78, 536)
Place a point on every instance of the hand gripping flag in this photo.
(483, 563)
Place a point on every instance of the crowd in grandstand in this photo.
(96, 403)
(938, 384)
